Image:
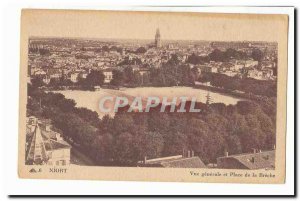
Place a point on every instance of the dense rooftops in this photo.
(258, 160)
(174, 162)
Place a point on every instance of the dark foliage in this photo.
(129, 137)
(248, 85)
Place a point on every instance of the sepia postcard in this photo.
(153, 96)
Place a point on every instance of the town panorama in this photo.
(235, 129)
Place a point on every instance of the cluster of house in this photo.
(75, 73)
(44, 146)
(68, 72)
(249, 68)
(76, 70)
(74, 60)
(252, 161)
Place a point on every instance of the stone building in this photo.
(45, 146)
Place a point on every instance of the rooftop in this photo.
(259, 160)
(55, 145)
(175, 162)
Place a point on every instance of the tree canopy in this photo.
(127, 138)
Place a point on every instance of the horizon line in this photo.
(91, 38)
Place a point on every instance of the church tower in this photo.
(157, 39)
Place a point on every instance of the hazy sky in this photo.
(142, 25)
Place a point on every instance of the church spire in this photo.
(157, 39)
(157, 33)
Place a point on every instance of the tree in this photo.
(44, 52)
(117, 78)
(106, 124)
(257, 54)
(37, 82)
(34, 107)
(217, 55)
(95, 78)
(195, 74)
(66, 105)
(122, 123)
(175, 142)
(234, 144)
(248, 85)
(115, 48)
(252, 137)
(66, 82)
(194, 59)
(103, 149)
(152, 144)
(141, 50)
(88, 115)
(247, 107)
(124, 152)
(173, 61)
(105, 48)
(129, 75)
(54, 82)
(145, 79)
(219, 108)
(231, 53)
(268, 128)
(74, 127)
(197, 133)
(185, 75)
(157, 121)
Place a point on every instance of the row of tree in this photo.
(168, 75)
(225, 56)
(248, 85)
